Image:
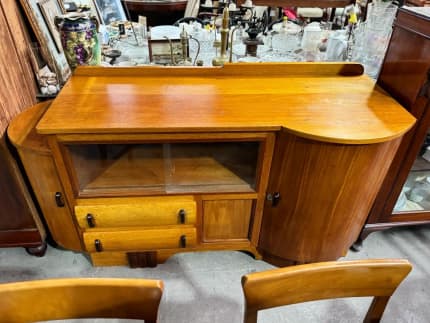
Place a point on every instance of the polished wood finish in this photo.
(132, 239)
(28, 238)
(115, 258)
(75, 298)
(40, 170)
(123, 212)
(405, 76)
(226, 220)
(265, 163)
(405, 71)
(359, 278)
(229, 102)
(326, 191)
(287, 128)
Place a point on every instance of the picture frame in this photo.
(164, 52)
(49, 10)
(93, 9)
(165, 45)
(110, 11)
(55, 60)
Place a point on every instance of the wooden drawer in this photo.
(139, 240)
(130, 212)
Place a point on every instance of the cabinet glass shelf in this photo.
(176, 168)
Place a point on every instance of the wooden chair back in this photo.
(325, 280)
(73, 298)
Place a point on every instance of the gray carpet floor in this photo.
(205, 287)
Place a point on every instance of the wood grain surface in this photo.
(326, 192)
(42, 174)
(291, 285)
(326, 101)
(116, 258)
(18, 89)
(77, 298)
(226, 219)
(152, 211)
(140, 239)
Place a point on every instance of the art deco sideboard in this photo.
(132, 165)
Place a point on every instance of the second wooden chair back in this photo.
(296, 284)
(55, 299)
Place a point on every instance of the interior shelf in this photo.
(165, 168)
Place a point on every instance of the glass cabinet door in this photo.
(107, 169)
(415, 194)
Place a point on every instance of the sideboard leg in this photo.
(38, 251)
(357, 245)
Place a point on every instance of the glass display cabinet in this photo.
(404, 198)
(415, 194)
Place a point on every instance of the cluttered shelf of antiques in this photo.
(102, 33)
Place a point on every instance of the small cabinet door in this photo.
(324, 192)
(226, 220)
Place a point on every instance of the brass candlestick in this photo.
(220, 60)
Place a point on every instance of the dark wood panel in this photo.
(407, 63)
(22, 44)
(20, 238)
(18, 85)
(156, 12)
(13, 214)
(20, 224)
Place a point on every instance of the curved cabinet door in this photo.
(325, 194)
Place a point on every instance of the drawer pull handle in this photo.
(59, 199)
(183, 241)
(90, 220)
(182, 215)
(98, 245)
(274, 198)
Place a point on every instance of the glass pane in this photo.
(165, 168)
(415, 195)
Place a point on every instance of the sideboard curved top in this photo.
(331, 102)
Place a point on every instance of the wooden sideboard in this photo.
(279, 160)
